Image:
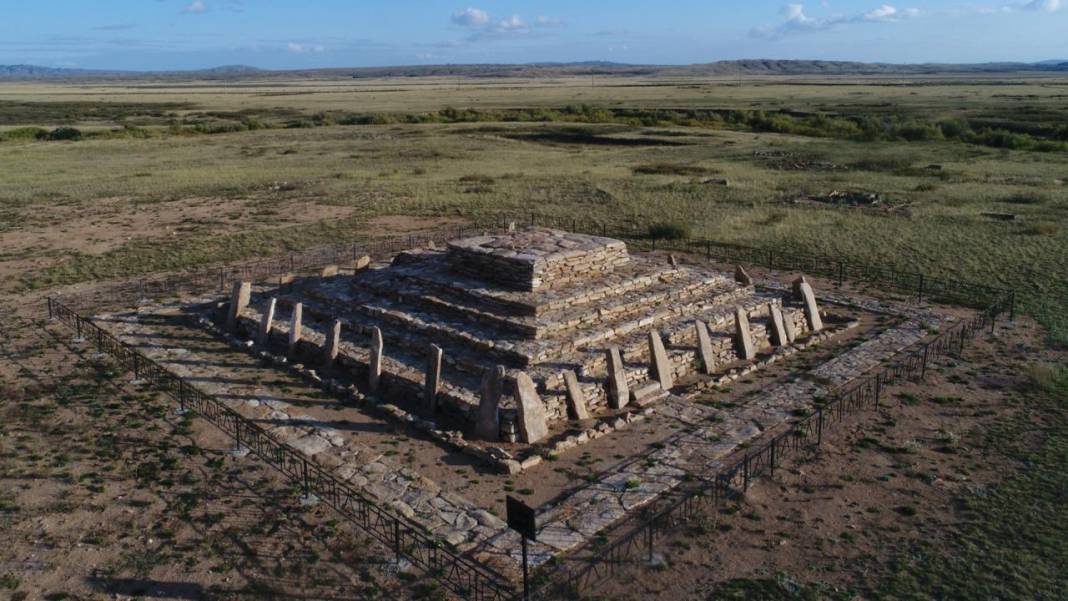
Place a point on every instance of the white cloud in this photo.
(798, 22)
(195, 8)
(1049, 6)
(296, 48)
(471, 17)
(513, 24)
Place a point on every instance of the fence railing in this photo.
(462, 575)
(591, 564)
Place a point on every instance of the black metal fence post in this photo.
(819, 426)
(878, 388)
(919, 291)
(923, 363)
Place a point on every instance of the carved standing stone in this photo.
(778, 326)
(432, 385)
(704, 346)
(530, 411)
(488, 427)
(812, 311)
(333, 343)
(743, 338)
(238, 302)
(742, 276)
(661, 365)
(374, 362)
(265, 322)
(618, 391)
(329, 271)
(797, 287)
(576, 401)
(295, 326)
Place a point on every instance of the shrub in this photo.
(669, 231)
(65, 133)
(1021, 198)
(24, 133)
(1043, 228)
(669, 169)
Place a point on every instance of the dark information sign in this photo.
(521, 518)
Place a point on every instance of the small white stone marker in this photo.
(576, 401)
(704, 346)
(488, 426)
(530, 411)
(266, 320)
(374, 363)
(743, 338)
(618, 391)
(295, 326)
(333, 343)
(238, 301)
(661, 366)
(432, 384)
(778, 326)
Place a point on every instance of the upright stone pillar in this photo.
(797, 287)
(239, 298)
(704, 346)
(660, 363)
(529, 410)
(576, 401)
(374, 362)
(812, 311)
(618, 391)
(266, 320)
(742, 276)
(432, 384)
(296, 326)
(778, 326)
(743, 338)
(488, 425)
(333, 343)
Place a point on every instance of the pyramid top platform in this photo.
(537, 258)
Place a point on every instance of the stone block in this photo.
(332, 344)
(295, 326)
(648, 393)
(659, 363)
(432, 383)
(329, 271)
(361, 263)
(530, 411)
(797, 287)
(239, 298)
(374, 363)
(743, 338)
(576, 400)
(618, 390)
(704, 347)
(266, 320)
(812, 310)
(487, 426)
(778, 326)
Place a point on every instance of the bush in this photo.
(669, 169)
(1021, 198)
(65, 133)
(24, 133)
(669, 231)
(1043, 228)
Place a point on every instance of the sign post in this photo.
(521, 519)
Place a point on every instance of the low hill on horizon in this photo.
(546, 69)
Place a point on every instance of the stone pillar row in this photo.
(530, 411)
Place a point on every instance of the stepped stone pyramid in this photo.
(537, 301)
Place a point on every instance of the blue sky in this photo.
(188, 34)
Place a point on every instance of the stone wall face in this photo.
(536, 259)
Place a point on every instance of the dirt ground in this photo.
(105, 493)
(882, 482)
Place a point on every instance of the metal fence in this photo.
(595, 561)
(460, 574)
(591, 564)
